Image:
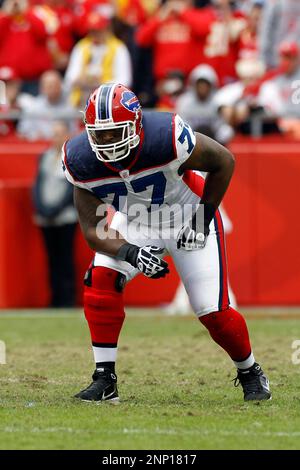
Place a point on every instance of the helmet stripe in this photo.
(111, 95)
(107, 102)
(102, 110)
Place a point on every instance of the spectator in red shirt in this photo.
(84, 8)
(129, 15)
(23, 41)
(222, 44)
(176, 34)
(59, 21)
(131, 12)
(249, 38)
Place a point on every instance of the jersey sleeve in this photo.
(67, 172)
(184, 140)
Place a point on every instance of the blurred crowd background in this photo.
(224, 65)
(228, 67)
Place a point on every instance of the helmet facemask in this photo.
(122, 139)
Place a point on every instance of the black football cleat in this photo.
(254, 382)
(103, 388)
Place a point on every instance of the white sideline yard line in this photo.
(156, 431)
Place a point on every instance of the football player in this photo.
(149, 163)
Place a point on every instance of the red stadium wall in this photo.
(263, 203)
(263, 249)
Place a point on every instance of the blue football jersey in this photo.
(152, 181)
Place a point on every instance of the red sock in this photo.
(229, 330)
(104, 307)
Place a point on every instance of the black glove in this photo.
(193, 236)
(144, 259)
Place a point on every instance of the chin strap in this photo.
(114, 154)
(134, 143)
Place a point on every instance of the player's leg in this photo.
(204, 274)
(104, 312)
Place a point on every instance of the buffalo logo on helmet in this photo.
(130, 101)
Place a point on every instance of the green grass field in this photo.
(174, 382)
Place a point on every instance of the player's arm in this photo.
(101, 238)
(92, 219)
(211, 157)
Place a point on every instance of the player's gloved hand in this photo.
(189, 239)
(193, 235)
(149, 263)
(146, 259)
